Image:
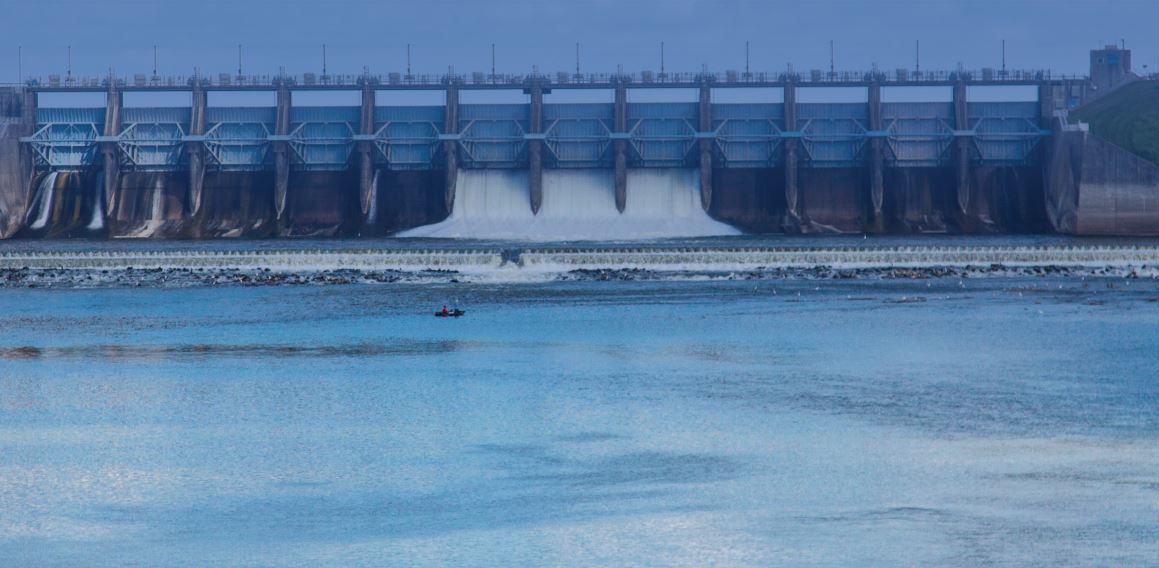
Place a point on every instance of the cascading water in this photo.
(45, 191)
(149, 205)
(370, 202)
(577, 205)
(97, 222)
(666, 203)
(156, 218)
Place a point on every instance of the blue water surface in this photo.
(884, 423)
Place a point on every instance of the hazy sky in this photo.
(121, 34)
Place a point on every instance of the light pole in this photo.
(747, 71)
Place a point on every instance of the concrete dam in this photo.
(542, 170)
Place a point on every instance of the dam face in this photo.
(539, 170)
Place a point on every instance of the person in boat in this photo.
(444, 312)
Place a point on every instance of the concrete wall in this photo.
(752, 199)
(1094, 187)
(409, 199)
(15, 162)
(915, 200)
(149, 205)
(236, 204)
(321, 204)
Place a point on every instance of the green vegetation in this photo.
(1128, 117)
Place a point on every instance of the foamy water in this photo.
(577, 205)
(503, 263)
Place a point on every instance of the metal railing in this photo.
(225, 81)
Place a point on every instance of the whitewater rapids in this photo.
(542, 263)
(578, 205)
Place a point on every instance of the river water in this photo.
(1010, 421)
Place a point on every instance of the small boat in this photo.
(455, 313)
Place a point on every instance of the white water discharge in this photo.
(157, 212)
(97, 222)
(44, 195)
(578, 205)
(372, 207)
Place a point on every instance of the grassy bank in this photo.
(1128, 117)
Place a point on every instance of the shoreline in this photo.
(129, 277)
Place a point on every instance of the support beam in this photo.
(792, 192)
(451, 147)
(620, 145)
(876, 155)
(196, 149)
(962, 146)
(535, 146)
(705, 125)
(109, 150)
(282, 150)
(366, 190)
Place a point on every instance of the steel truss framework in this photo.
(580, 135)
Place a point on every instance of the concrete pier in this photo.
(281, 147)
(1094, 187)
(17, 117)
(876, 155)
(195, 148)
(962, 143)
(365, 147)
(110, 152)
(704, 130)
(451, 142)
(791, 144)
(535, 144)
(620, 144)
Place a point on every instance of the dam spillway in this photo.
(581, 170)
(576, 204)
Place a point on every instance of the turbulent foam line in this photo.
(875, 257)
(548, 260)
(281, 261)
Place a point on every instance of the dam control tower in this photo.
(1110, 67)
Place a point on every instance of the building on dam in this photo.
(782, 160)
